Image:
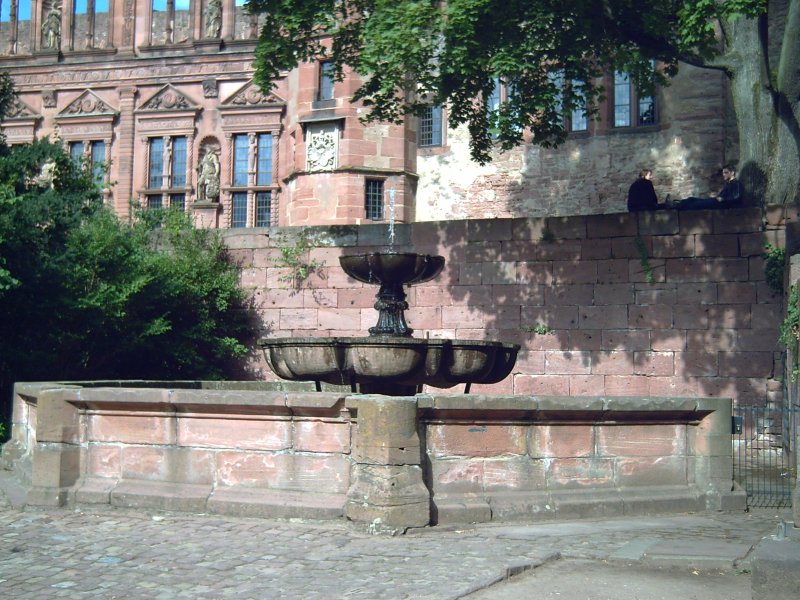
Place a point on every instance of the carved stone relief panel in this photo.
(322, 146)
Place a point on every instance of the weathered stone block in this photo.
(475, 440)
(321, 436)
(132, 428)
(580, 473)
(170, 464)
(561, 441)
(248, 434)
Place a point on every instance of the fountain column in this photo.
(388, 494)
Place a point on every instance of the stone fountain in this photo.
(389, 361)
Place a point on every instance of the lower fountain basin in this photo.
(438, 363)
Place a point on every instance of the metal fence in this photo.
(764, 460)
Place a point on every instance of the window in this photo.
(628, 108)
(15, 27)
(178, 167)
(577, 119)
(155, 168)
(251, 178)
(263, 209)
(177, 201)
(76, 152)
(166, 169)
(430, 126)
(170, 21)
(239, 210)
(90, 24)
(264, 163)
(325, 87)
(240, 160)
(98, 150)
(373, 199)
(622, 100)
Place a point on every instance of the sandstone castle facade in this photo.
(161, 91)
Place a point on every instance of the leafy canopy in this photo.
(549, 53)
(86, 296)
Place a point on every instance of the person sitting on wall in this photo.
(641, 194)
(728, 197)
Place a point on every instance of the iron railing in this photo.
(764, 458)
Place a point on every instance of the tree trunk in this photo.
(766, 106)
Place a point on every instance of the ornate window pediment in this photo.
(169, 99)
(88, 104)
(20, 122)
(20, 110)
(250, 95)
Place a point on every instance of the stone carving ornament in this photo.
(208, 177)
(169, 99)
(321, 154)
(17, 109)
(213, 18)
(250, 96)
(210, 88)
(49, 98)
(86, 106)
(51, 27)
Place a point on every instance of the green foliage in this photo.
(6, 95)
(790, 330)
(774, 267)
(86, 296)
(295, 258)
(412, 52)
(538, 328)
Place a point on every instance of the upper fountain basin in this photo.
(392, 267)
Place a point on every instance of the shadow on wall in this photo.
(661, 304)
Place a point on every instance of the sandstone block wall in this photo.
(656, 304)
(384, 463)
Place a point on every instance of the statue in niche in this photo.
(51, 28)
(208, 177)
(213, 18)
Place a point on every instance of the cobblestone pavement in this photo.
(114, 553)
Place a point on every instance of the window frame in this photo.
(437, 127)
(326, 84)
(634, 105)
(171, 183)
(374, 200)
(252, 176)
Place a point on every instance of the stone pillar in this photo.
(57, 454)
(710, 456)
(387, 494)
(124, 191)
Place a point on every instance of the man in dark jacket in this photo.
(728, 197)
(641, 194)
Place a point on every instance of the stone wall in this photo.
(590, 173)
(384, 463)
(656, 304)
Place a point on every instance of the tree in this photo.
(413, 52)
(86, 296)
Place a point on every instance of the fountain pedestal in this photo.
(388, 494)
